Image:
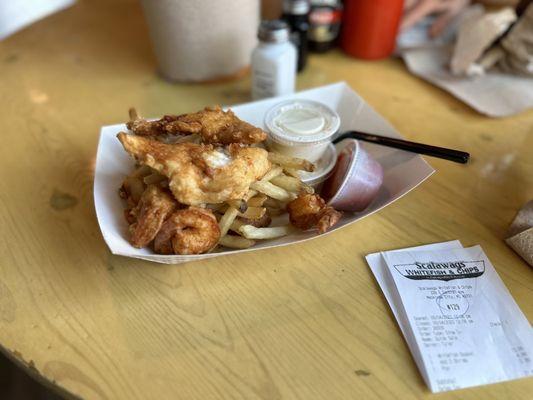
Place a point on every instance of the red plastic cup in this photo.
(369, 27)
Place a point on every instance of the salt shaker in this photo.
(273, 61)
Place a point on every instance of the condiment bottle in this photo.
(324, 24)
(273, 61)
(296, 14)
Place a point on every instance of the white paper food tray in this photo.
(403, 171)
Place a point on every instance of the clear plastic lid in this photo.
(301, 122)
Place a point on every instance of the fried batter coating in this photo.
(217, 126)
(310, 210)
(200, 174)
(190, 231)
(212, 124)
(144, 127)
(153, 208)
(131, 190)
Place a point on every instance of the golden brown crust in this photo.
(143, 127)
(213, 125)
(218, 126)
(190, 231)
(310, 210)
(148, 216)
(192, 180)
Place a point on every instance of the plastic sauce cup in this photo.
(356, 179)
(323, 169)
(301, 128)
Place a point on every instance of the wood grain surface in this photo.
(303, 322)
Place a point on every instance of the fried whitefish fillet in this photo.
(200, 174)
(212, 124)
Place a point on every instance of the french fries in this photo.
(253, 213)
(251, 232)
(257, 201)
(291, 162)
(132, 112)
(275, 171)
(271, 190)
(236, 242)
(236, 225)
(273, 203)
(240, 205)
(292, 172)
(274, 212)
(227, 219)
(220, 207)
(291, 184)
(251, 193)
(253, 205)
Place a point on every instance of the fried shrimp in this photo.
(212, 124)
(148, 216)
(189, 231)
(200, 174)
(310, 210)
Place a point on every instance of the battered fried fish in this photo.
(152, 210)
(200, 174)
(143, 127)
(212, 124)
(310, 210)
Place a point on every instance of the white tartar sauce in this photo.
(301, 128)
(216, 159)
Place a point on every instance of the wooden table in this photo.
(304, 322)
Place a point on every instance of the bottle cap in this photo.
(296, 7)
(274, 31)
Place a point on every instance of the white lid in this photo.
(300, 122)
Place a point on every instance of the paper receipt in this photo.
(464, 323)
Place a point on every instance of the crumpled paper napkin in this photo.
(495, 93)
(520, 234)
